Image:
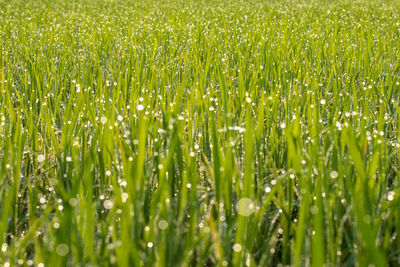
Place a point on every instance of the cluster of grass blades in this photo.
(199, 133)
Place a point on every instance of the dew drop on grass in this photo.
(245, 207)
(124, 197)
(237, 247)
(314, 209)
(103, 120)
(41, 158)
(163, 224)
(73, 202)
(334, 174)
(391, 196)
(4, 247)
(108, 204)
(62, 250)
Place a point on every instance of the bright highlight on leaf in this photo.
(245, 207)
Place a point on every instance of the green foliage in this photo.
(192, 133)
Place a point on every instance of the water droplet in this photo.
(108, 204)
(163, 224)
(334, 174)
(103, 120)
(245, 207)
(62, 250)
(237, 247)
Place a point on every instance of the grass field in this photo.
(199, 133)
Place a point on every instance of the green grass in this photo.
(199, 133)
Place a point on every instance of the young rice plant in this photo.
(199, 133)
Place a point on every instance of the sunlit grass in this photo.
(199, 133)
